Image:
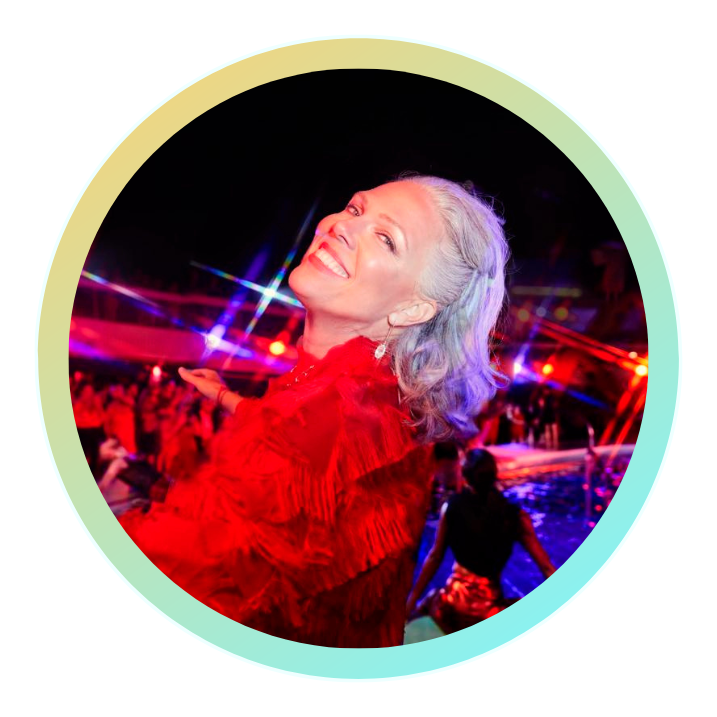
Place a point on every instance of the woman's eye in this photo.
(386, 239)
(353, 209)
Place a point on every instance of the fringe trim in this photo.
(310, 492)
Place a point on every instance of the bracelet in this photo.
(220, 395)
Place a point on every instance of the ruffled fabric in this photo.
(305, 522)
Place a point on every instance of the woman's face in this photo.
(364, 263)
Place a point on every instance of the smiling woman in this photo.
(305, 522)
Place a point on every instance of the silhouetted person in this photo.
(481, 528)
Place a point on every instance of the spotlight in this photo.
(277, 348)
(633, 354)
(517, 368)
(548, 369)
(641, 369)
(561, 313)
(156, 373)
(212, 340)
(523, 315)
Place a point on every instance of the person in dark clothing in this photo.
(550, 422)
(481, 527)
(533, 420)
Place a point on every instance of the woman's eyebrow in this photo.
(394, 223)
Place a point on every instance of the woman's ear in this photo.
(415, 313)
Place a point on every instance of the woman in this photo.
(304, 523)
(481, 528)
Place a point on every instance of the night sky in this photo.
(242, 177)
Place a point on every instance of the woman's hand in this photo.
(209, 384)
(206, 381)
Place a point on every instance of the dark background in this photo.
(240, 179)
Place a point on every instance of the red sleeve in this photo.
(304, 493)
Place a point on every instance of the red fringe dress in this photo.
(304, 524)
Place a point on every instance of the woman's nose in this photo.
(341, 231)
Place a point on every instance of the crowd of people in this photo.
(533, 422)
(167, 426)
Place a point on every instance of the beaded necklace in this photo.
(298, 377)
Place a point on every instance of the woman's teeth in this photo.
(327, 260)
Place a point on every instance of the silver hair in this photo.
(444, 365)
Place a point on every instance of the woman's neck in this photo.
(322, 333)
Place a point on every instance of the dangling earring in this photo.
(381, 348)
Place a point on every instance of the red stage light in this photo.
(548, 369)
(641, 369)
(157, 373)
(523, 315)
(561, 313)
(277, 348)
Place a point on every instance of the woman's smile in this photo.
(323, 258)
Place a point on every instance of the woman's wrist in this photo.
(223, 390)
(227, 400)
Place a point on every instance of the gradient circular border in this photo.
(53, 366)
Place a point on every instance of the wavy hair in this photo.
(444, 365)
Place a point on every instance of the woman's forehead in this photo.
(407, 203)
(400, 193)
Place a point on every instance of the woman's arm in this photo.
(529, 540)
(209, 384)
(229, 401)
(432, 562)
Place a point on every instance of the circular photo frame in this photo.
(294, 60)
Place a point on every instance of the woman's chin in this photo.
(303, 284)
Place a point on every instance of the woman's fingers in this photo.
(191, 372)
(187, 376)
(205, 373)
(195, 373)
(206, 381)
